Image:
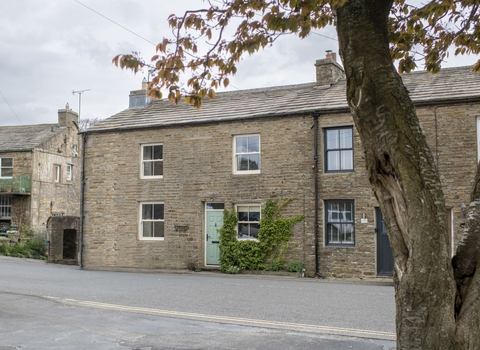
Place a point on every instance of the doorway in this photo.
(69, 244)
(213, 222)
(384, 251)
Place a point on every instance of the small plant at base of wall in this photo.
(295, 266)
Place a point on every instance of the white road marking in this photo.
(363, 333)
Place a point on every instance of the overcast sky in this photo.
(50, 48)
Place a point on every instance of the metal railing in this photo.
(16, 184)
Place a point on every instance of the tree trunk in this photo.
(404, 178)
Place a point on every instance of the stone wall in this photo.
(48, 196)
(197, 169)
(56, 232)
(451, 134)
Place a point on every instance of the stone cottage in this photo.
(158, 176)
(41, 176)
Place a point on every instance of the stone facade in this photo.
(36, 151)
(198, 153)
(197, 170)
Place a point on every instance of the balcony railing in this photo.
(16, 184)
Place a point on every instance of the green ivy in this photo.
(268, 252)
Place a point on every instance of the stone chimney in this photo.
(66, 116)
(139, 98)
(328, 70)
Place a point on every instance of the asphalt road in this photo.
(47, 306)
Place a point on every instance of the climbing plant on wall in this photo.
(266, 252)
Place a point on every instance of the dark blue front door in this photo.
(384, 251)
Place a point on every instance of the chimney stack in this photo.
(66, 116)
(328, 70)
(139, 98)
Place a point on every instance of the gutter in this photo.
(315, 168)
(82, 202)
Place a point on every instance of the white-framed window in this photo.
(69, 170)
(56, 169)
(248, 216)
(6, 167)
(152, 161)
(340, 223)
(339, 149)
(246, 158)
(152, 221)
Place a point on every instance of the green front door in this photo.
(214, 220)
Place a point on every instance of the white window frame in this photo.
(58, 172)
(141, 220)
(69, 172)
(236, 155)
(239, 222)
(142, 161)
(5, 167)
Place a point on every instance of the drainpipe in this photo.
(82, 203)
(316, 225)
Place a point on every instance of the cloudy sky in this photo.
(50, 48)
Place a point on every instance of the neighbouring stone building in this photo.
(40, 174)
(158, 176)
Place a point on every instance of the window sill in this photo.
(246, 172)
(160, 239)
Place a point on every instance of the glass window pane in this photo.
(345, 138)
(254, 228)
(241, 145)
(215, 206)
(349, 211)
(147, 229)
(242, 213)
(242, 162)
(254, 162)
(158, 152)
(147, 211)
(347, 160)
(253, 144)
(147, 152)
(7, 162)
(158, 229)
(158, 211)
(333, 236)
(157, 168)
(332, 139)
(243, 231)
(254, 214)
(348, 230)
(148, 169)
(7, 172)
(333, 160)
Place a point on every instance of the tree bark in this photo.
(404, 178)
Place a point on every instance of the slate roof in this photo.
(450, 85)
(26, 137)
